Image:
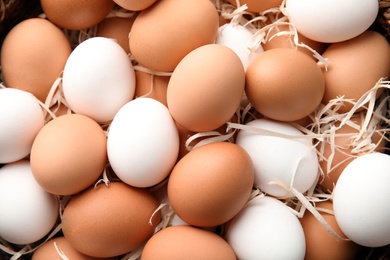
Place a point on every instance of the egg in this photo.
(207, 179)
(367, 55)
(33, 56)
(110, 220)
(284, 84)
(76, 15)
(206, 88)
(360, 199)
(320, 243)
(68, 154)
(28, 212)
(21, 119)
(332, 21)
(59, 248)
(98, 79)
(163, 34)
(135, 5)
(257, 6)
(266, 229)
(187, 242)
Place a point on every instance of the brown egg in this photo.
(135, 5)
(167, 31)
(284, 84)
(320, 243)
(257, 6)
(68, 154)
(117, 28)
(151, 86)
(343, 153)
(355, 66)
(187, 242)
(33, 55)
(76, 14)
(110, 220)
(209, 178)
(206, 88)
(58, 248)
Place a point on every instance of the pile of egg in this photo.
(197, 129)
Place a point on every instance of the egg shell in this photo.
(206, 88)
(33, 55)
(300, 164)
(320, 243)
(57, 248)
(21, 119)
(28, 212)
(187, 242)
(207, 179)
(266, 229)
(257, 6)
(163, 34)
(142, 142)
(332, 21)
(151, 86)
(135, 5)
(367, 55)
(360, 200)
(98, 79)
(110, 220)
(284, 84)
(69, 154)
(76, 15)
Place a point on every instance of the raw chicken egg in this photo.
(257, 6)
(135, 5)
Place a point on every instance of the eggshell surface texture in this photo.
(110, 220)
(98, 79)
(28, 212)
(142, 142)
(76, 15)
(208, 179)
(206, 88)
(284, 84)
(167, 31)
(135, 5)
(332, 21)
(33, 55)
(257, 6)
(266, 229)
(68, 154)
(186, 242)
(21, 119)
(364, 219)
(279, 162)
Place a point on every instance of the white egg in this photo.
(278, 159)
(142, 142)
(27, 211)
(332, 20)
(237, 38)
(361, 200)
(266, 229)
(21, 119)
(98, 79)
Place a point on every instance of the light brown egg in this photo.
(209, 178)
(58, 248)
(69, 154)
(257, 6)
(206, 88)
(116, 28)
(187, 242)
(135, 5)
(284, 84)
(355, 66)
(110, 220)
(151, 86)
(167, 31)
(33, 55)
(320, 243)
(76, 14)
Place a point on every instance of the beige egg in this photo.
(135, 5)
(257, 6)
(355, 66)
(33, 56)
(167, 31)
